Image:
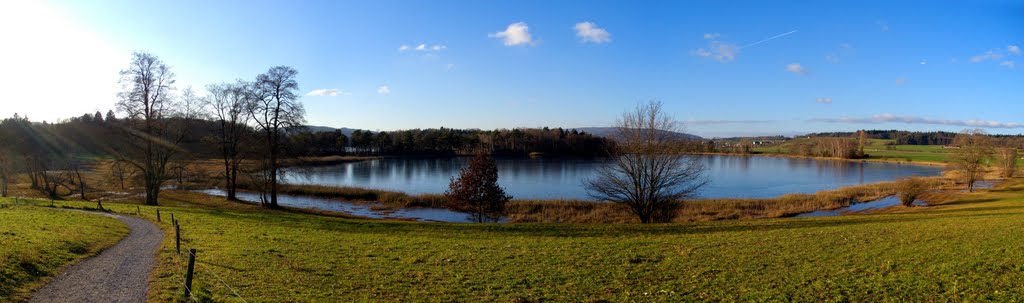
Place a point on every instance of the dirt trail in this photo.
(118, 274)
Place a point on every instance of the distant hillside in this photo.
(608, 131)
(326, 129)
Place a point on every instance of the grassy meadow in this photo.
(968, 247)
(886, 151)
(37, 242)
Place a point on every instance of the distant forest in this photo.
(449, 141)
(903, 137)
(95, 135)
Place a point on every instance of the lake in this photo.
(553, 178)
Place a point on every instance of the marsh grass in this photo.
(577, 211)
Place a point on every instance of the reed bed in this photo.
(577, 211)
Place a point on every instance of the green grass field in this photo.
(36, 242)
(878, 149)
(970, 248)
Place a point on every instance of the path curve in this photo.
(118, 274)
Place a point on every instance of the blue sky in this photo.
(724, 67)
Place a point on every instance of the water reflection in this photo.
(859, 207)
(731, 176)
(362, 210)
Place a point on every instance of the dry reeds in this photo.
(576, 211)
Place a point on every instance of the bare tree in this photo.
(227, 105)
(648, 172)
(1007, 159)
(155, 124)
(75, 167)
(121, 171)
(275, 108)
(970, 158)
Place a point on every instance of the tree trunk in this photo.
(232, 186)
(152, 189)
(3, 185)
(273, 179)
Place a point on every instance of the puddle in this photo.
(358, 209)
(860, 207)
(984, 184)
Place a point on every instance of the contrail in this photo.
(766, 40)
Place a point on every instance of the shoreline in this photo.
(876, 160)
(591, 211)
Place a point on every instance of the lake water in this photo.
(523, 178)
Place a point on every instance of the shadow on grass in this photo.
(358, 226)
(968, 201)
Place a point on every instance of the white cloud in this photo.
(589, 32)
(1007, 63)
(712, 36)
(720, 51)
(883, 26)
(901, 80)
(328, 92)
(1013, 49)
(846, 46)
(890, 118)
(832, 58)
(383, 90)
(515, 34)
(989, 55)
(796, 68)
(422, 47)
(823, 100)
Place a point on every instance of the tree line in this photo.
(448, 141)
(902, 137)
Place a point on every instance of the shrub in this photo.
(476, 190)
(909, 189)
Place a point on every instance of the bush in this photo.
(476, 190)
(909, 189)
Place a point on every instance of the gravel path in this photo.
(118, 274)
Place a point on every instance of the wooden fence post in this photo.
(177, 238)
(188, 275)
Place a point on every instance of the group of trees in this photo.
(158, 122)
(160, 130)
(835, 147)
(51, 166)
(448, 141)
(976, 150)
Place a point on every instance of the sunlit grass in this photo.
(37, 242)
